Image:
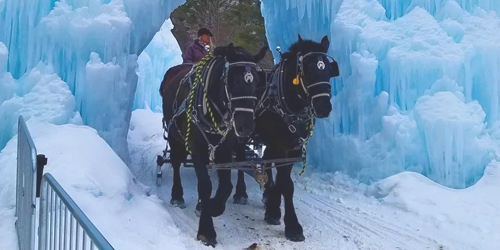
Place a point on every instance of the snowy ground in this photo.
(99, 182)
(405, 211)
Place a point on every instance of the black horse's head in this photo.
(241, 80)
(314, 70)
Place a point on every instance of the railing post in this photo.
(41, 162)
(25, 188)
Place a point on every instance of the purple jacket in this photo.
(194, 53)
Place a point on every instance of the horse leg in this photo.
(240, 196)
(177, 156)
(293, 229)
(273, 200)
(206, 231)
(268, 185)
(225, 186)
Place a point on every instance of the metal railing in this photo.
(25, 187)
(63, 225)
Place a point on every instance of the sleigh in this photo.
(254, 165)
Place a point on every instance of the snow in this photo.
(99, 182)
(404, 211)
(8, 236)
(470, 214)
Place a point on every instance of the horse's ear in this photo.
(300, 39)
(335, 68)
(230, 52)
(325, 43)
(262, 53)
(230, 49)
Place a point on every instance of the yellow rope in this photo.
(197, 78)
(310, 129)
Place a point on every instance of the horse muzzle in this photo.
(322, 106)
(243, 123)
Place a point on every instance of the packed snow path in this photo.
(328, 224)
(337, 216)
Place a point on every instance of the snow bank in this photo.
(145, 140)
(99, 182)
(470, 214)
(8, 237)
(406, 211)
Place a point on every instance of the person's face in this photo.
(205, 38)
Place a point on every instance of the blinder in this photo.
(249, 79)
(321, 66)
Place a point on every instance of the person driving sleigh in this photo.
(200, 47)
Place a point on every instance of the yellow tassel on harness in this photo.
(296, 80)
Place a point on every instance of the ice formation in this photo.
(39, 95)
(418, 88)
(162, 53)
(64, 34)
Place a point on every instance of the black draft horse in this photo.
(221, 108)
(298, 92)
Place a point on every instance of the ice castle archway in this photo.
(418, 88)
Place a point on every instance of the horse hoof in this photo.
(207, 241)
(272, 221)
(240, 200)
(178, 203)
(294, 236)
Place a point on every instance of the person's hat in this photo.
(204, 31)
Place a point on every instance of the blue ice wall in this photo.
(418, 89)
(162, 53)
(398, 8)
(64, 35)
(286, 19)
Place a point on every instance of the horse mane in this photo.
(305, 47)
(242, 54)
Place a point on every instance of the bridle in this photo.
(274, 98)
(228, 118)
(301, 74)
(249, 78)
